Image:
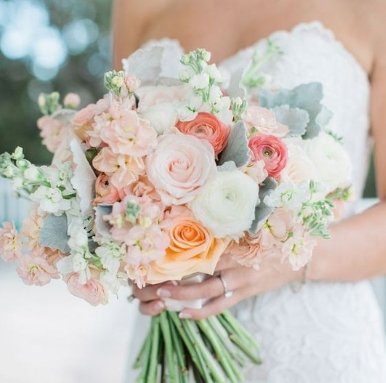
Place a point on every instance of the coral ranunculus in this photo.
(192, 249)
(272, 151)
(207, 127)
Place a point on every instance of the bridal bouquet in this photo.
(160, 178)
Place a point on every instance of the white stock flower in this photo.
(199, 81)
(332, 163)
(214, 73)
(226, 204)
(50, 200)
(32, 173)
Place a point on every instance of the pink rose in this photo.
(92, 291)
(35, 270)
(272, 151)
(179, 167)
(261, 120)
(208, 127)
(106, 193)
(10, 246)
(121, 169)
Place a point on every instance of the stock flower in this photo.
(51, 200)
(208, 127)
(272, 151)
(10, 246)
(226, 204)
(106, 193)
(92, 291)
(126, 133)
(192, 249)
(71, 100)
(52, 131)
(31, 230)
(179, 167)
(35, 270)
(263, 121)
(332, 163)
(121, 169)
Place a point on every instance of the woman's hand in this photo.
(242, 281)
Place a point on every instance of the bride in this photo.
(331, 329)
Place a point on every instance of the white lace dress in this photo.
(327, 332)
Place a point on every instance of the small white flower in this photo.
(213, 73)
(215, 95)
(199, 81)
(32, 173)
(50, 200)
(226, 204)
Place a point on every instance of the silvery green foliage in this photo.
(306, 97)
(237, 150)
(102, 228)
(263, 211)
(296, 119)
(54, 233)
(227, 167)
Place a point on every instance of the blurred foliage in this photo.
(81, 72)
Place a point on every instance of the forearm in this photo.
(356, 250)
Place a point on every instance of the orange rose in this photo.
(207, 127)
(192, 249)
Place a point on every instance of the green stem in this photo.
(171, 365)
(221, 352)
(146, 357)
(151, 376)
(142, 353)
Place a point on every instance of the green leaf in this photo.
(296, 119)
(262, 211)
(307, 97)
(237, 150)
(54, 233)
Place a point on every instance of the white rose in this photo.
(332, 163)
(226, 204)
(161, 116)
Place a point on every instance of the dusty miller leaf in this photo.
(54, 233)
(296, 119)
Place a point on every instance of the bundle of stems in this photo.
(211, 350)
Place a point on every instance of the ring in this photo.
(227, 293)
(130, 298)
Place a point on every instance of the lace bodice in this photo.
(326, 332)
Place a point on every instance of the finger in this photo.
(226, 262)
(148, 293)
(207, 289)
(214, 307)
(152, 308)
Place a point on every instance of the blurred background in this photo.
(46, 335)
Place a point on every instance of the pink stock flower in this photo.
(122, 170)
(141, 188)
(179, 167)
(106, 193)
(52, 131)
(261, 120)
(92, 291)
(132, 83)
(71, 100)
(35, 270)
(10, 246)
(207, 127)
(31, 230)
(128, 134)
(272, 151)
(137, 273)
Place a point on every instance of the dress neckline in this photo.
(315, 25)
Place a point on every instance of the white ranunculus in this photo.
(331, 161)
(226, 204)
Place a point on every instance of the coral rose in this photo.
(208, 127)
(106, 193)
(272, 151)
(192, 249)
(179, 167)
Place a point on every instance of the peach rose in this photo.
(272, 151)
(192, 249)
(208, 127)
(106, 193)
(92, 291)
(179, 167)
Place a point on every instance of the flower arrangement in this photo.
(156, 181)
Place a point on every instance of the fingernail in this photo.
(164, 293)
(183, 315)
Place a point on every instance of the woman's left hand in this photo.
(242, 281)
